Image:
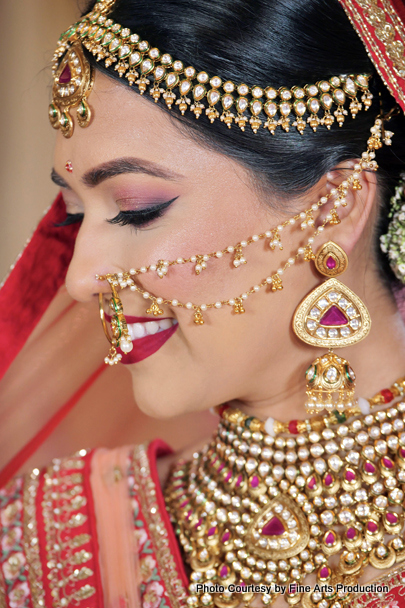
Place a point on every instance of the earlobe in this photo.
(358, 207)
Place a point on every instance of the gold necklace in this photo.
(256, 513)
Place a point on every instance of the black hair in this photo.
(277, 43)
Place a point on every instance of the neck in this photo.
(378, 361)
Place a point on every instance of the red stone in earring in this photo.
(69, 167)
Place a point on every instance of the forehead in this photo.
(126, 124)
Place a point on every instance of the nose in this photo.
(93, 255)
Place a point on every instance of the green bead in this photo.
(248, 422)
(340, 416)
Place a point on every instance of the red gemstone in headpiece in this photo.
(224, 571)
(212, 531)
(351, 533)
(274, 527)
(334, 316)
(226, 537)
(66, 75)
(330, 263)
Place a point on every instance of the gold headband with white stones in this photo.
(183, 86)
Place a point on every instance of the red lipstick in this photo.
(149, 344)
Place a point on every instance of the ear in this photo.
(360, 205)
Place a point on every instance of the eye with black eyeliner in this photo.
(71, 218)
(137, 218)
(140, 217)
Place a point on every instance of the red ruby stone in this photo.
(334, 316)
(312, 483)
(387, 395)
(402, 452)
(225, 537)
(324, 572)
(198, 524)
(369, 468)
(212, 531)
(391, 518)
(351, 533)
(239, 481)
(330, 539)
(221, 466)
(228, 476)
(330, 263)
(224, 571)
(328, 480)
(372, 526)
(350, 476)
(223, 408)
(255, 482)
(184, 503)
(274, 527)
(387, 462)
(66, 75)
(292, 427)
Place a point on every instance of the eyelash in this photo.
(141, 217)
(138, 218)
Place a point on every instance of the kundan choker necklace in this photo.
(257, 513)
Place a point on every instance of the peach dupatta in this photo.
(118, 549)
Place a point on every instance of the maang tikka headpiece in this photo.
(185, 88)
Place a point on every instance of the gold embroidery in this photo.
(150, 509)
(390, 35)
(3, 603)
(30, 539)
(394, 580)
(63, 497)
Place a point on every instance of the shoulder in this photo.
(46, 519)
(55, 518)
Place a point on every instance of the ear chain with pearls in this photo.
(126, 278)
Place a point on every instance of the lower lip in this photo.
(146, 346)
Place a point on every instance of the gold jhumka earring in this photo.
(331, 316)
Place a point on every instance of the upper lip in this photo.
(130, 319)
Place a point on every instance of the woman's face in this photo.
(189, 367)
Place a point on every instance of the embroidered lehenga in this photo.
(94, 530)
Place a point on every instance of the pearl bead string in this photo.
(274, 427)
(125, 279)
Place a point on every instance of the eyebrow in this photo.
(58, 180)
(119, 166)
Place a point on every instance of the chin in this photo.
(163, 404)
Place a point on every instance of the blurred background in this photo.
(29, 30)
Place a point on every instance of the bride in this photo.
(230, 209)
